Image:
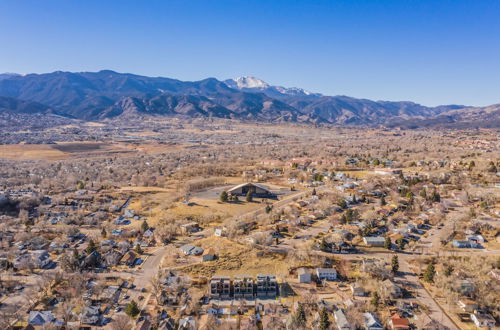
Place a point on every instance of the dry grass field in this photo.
(236, 259)
(31, 152)
(78, 150)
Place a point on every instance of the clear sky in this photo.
(431, 52)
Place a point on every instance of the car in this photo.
(132, 286)
(118, 309)
(126, 296)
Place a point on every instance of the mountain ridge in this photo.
(108, 94)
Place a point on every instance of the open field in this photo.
(237, 259)
(31, 152)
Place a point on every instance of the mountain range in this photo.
(107, 95)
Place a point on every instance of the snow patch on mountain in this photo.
(247, 82)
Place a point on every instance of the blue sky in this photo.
(431, 52)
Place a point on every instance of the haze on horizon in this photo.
(428, 52)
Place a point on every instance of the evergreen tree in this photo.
(249, 197)
(314, 192)
(144, 226)
(375, 301)
(223, 197)
(300, 316)
(132, 309)
(138, 249)
(91, 247)
(323, 246)
(448, 270)
(423, 193)
(429, 273)
(401, 243)
(324, 321)
(435, 197)
(387, 243)
(382, 201)
(395, 264)
(103, 232)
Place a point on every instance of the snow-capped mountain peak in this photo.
(250, 82)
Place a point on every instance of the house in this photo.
(377, 241)
(254, 189)
(41, 258)
(38, 259)
(128, 213)
(483, 320)
(40, 318)
(371, 322)
(191, 250)
(90, 315)
(341, 320)
(329, 274)
(220, 287)
(111, 293)
(149, 233)
(393, 289)
(398, 322)
(467, 305)
(465, 244)
(357, 290)
(92, 260)
(128, 258)
(187, 323)
(108, 242)
(475, 238)
(267, 286)
(209, 255)
(243, 287)
(112, 258)
(190, 227)
(303, 275)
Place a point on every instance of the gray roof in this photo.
(249, 184)
(341, 320)
(39, 318)
(376, 239)
(191, 249)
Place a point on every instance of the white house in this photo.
(483, 320)
(329, 274)
(303, 275)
